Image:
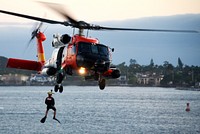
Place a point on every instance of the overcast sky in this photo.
(102, 10)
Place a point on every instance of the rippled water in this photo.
(116, 110)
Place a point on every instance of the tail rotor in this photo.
(35, 31)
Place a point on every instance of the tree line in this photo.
(180, 75)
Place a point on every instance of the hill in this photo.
(142, 46)
(3, 62)
(4, 70)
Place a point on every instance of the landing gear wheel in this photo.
(61, 89)
(102, 84)
(58, 87)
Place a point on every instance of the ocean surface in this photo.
(115, 110)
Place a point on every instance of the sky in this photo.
(102, 10)
(96, 11)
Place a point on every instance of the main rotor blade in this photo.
(84, 25)
(34, 18)
(60, 10)
(148, 30)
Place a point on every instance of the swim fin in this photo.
(43, 119)
(57, 120)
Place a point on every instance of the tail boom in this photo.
(24, 64)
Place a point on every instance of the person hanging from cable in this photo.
(50, 102)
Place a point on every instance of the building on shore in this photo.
(13, 79)
(149, 79)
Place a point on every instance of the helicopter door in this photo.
(71, 55)
(53, 59)
(60, 58)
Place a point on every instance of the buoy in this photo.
(188, 107)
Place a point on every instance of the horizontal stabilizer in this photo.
(24, 64)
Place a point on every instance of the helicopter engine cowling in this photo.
(59, 41)
(49, 71)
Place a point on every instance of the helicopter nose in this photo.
(100, 63)
(80, 60)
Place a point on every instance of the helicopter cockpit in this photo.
(90, 54)
(98, 49)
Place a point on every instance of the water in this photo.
(115, 110)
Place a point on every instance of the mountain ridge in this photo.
(141, 46)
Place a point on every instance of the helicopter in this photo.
(73, 54)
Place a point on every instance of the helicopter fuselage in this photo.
(79, 53)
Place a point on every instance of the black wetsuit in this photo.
(49, 101)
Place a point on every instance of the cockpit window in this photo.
(103, 50)
(84, 47)
(100, 49)
(94, 49)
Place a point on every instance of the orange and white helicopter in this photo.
(73, 54)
